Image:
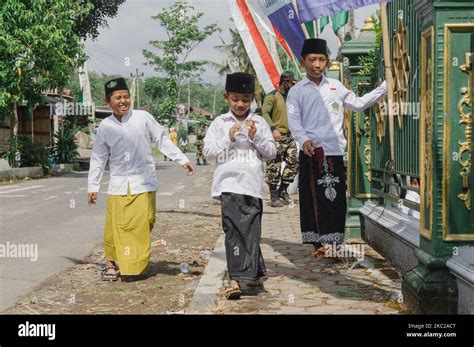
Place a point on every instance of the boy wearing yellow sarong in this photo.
(124, 139)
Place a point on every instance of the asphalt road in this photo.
(52, 214)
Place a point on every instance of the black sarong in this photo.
(325, 224)
(242, 223)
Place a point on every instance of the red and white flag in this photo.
(259, 44)
(265, 25)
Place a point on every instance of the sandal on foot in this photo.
(109, 273)
(320, 253)
(233, 292)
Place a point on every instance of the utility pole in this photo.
(214, 105)
(137, 79)
(189, 98)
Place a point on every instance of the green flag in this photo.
(310, 28)
(322, 23)
(339, 20)
(80, 100)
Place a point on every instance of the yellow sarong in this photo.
(128, 225)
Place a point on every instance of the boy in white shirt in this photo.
(239, 141)
(315, 118)
(124, 139)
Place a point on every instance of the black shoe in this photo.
(198, 162)
(275, 200)
(285, 197)
(205, 162)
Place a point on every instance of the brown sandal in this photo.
(320, 253)
(108, 275)
(233, 292)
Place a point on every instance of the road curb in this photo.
(205, 295)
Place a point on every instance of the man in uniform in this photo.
(200, 135)
(274, 112)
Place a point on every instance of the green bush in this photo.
(23, 152)
(11, 152)
(64, 148)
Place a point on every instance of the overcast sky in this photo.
(130, 32)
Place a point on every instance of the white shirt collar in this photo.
(124, 118)
(306, 80)
(230, 115)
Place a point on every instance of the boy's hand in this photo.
(252, 128)
(233, 130)
(308, 148)
(189, 169)
(91, 198)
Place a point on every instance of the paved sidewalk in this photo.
(298, 283)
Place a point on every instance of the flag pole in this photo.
(388, 76)
(306, 34)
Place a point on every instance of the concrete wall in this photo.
(391, 233)
(19, 173)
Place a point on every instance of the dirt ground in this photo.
(179, 236)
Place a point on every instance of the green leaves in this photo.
(64, 146)
(184, 34)
(370, 62)
(38, 47)
(88, 26)
(21, 151)
(40, 43)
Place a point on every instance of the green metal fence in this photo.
(391, 180)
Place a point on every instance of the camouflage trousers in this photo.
(288, 153)
(199, 149)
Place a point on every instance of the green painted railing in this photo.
(391, 180)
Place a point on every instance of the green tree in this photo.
(38, 49)
(153, 93)
(88, 26)
(236, 57)
(184, 34)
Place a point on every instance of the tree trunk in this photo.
(14, 121)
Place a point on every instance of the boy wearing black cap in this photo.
(239, 141)
(124, 139)
(274, 112)
(315, 113)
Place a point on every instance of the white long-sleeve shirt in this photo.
(316, 113)
(239, 164)
(127, 146)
